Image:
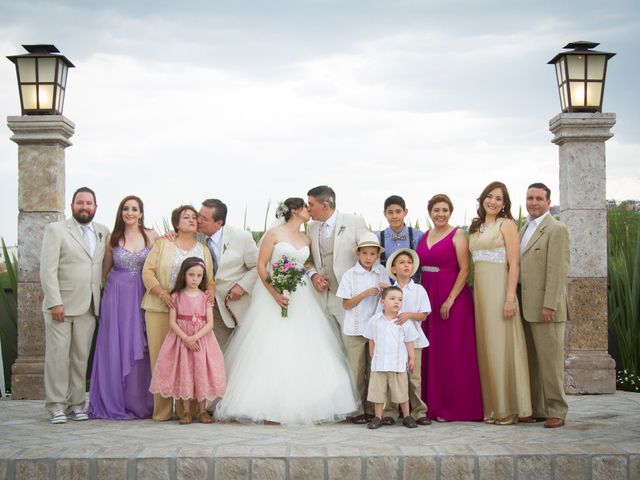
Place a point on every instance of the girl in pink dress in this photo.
(190, 364)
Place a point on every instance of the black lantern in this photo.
(42, 79)
(581, 74)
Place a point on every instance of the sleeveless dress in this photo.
(121, 372)
(287, 370)
(181, 373)
(450, 368)
(502, 351)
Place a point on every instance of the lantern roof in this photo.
(41, 48)
(581, 47)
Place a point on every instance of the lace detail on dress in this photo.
(493, 255)
(180, 257)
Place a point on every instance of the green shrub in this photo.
(624, 289)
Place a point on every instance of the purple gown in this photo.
(450, 375)
(121, 369)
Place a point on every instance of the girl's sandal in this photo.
(204, 417)
(185, 419)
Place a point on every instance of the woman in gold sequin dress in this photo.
(502, 352)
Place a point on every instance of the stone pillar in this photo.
(41, 180)
(581, 137)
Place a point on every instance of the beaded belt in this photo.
(429, 268)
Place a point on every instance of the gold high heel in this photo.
(508, 420)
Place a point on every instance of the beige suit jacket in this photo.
(70, 276)
(238, 260)
(544, 266)
(347, 231)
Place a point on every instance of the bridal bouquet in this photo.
(285, 277)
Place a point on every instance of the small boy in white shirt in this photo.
(359, 289)
(392, 353)
(402, 265)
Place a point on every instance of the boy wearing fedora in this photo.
(401, 267)
(359, 290)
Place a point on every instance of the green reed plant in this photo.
(8, 328)
(624, 286)
(9, 303)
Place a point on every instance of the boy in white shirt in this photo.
(392, 352)
(402, 265)
(359, 289)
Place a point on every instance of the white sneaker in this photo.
(78, 415)
(58, 417)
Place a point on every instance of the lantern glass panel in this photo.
(576, 67)
(59, 73)
(45, 97)
(29, 97)
(595, 67)
(47, 70)
(61, 102)
(576, 89)
(563, 96)
(562, 69)
(65, 70)
(594, 93)
(27, 69)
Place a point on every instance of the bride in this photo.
(287, 370)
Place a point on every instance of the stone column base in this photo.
(27, 378)
(589, 371)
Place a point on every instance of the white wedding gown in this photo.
(287, 370)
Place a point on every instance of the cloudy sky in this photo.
(254, 101)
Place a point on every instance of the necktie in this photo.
(86, 236)
(213, 254)
(395, 237)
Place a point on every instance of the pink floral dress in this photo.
(181, 373)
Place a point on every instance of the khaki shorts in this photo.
(396, 382)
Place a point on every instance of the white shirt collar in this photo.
(88, 225)
(216, 237)
(411, 285)
(537, 221)
(331, 221)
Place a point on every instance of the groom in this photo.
(235, 257)
(334, 239)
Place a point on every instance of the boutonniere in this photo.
(99, 237)
(224, 247)
(342, 229)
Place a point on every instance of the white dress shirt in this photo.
(390, 352)
(88, 233)
(532, 225)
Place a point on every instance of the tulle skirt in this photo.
(289, 370)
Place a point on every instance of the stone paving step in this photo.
(601, 441)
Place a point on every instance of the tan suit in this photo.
(544, 266)
(70, 277)
(238, 260)
(346, 232)
(341, 258)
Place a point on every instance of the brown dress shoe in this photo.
(554, 422)
(423, 421)
(527, 419)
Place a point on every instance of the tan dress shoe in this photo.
(554, 422)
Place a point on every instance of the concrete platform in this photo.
(601, 441)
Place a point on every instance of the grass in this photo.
(624, 288)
